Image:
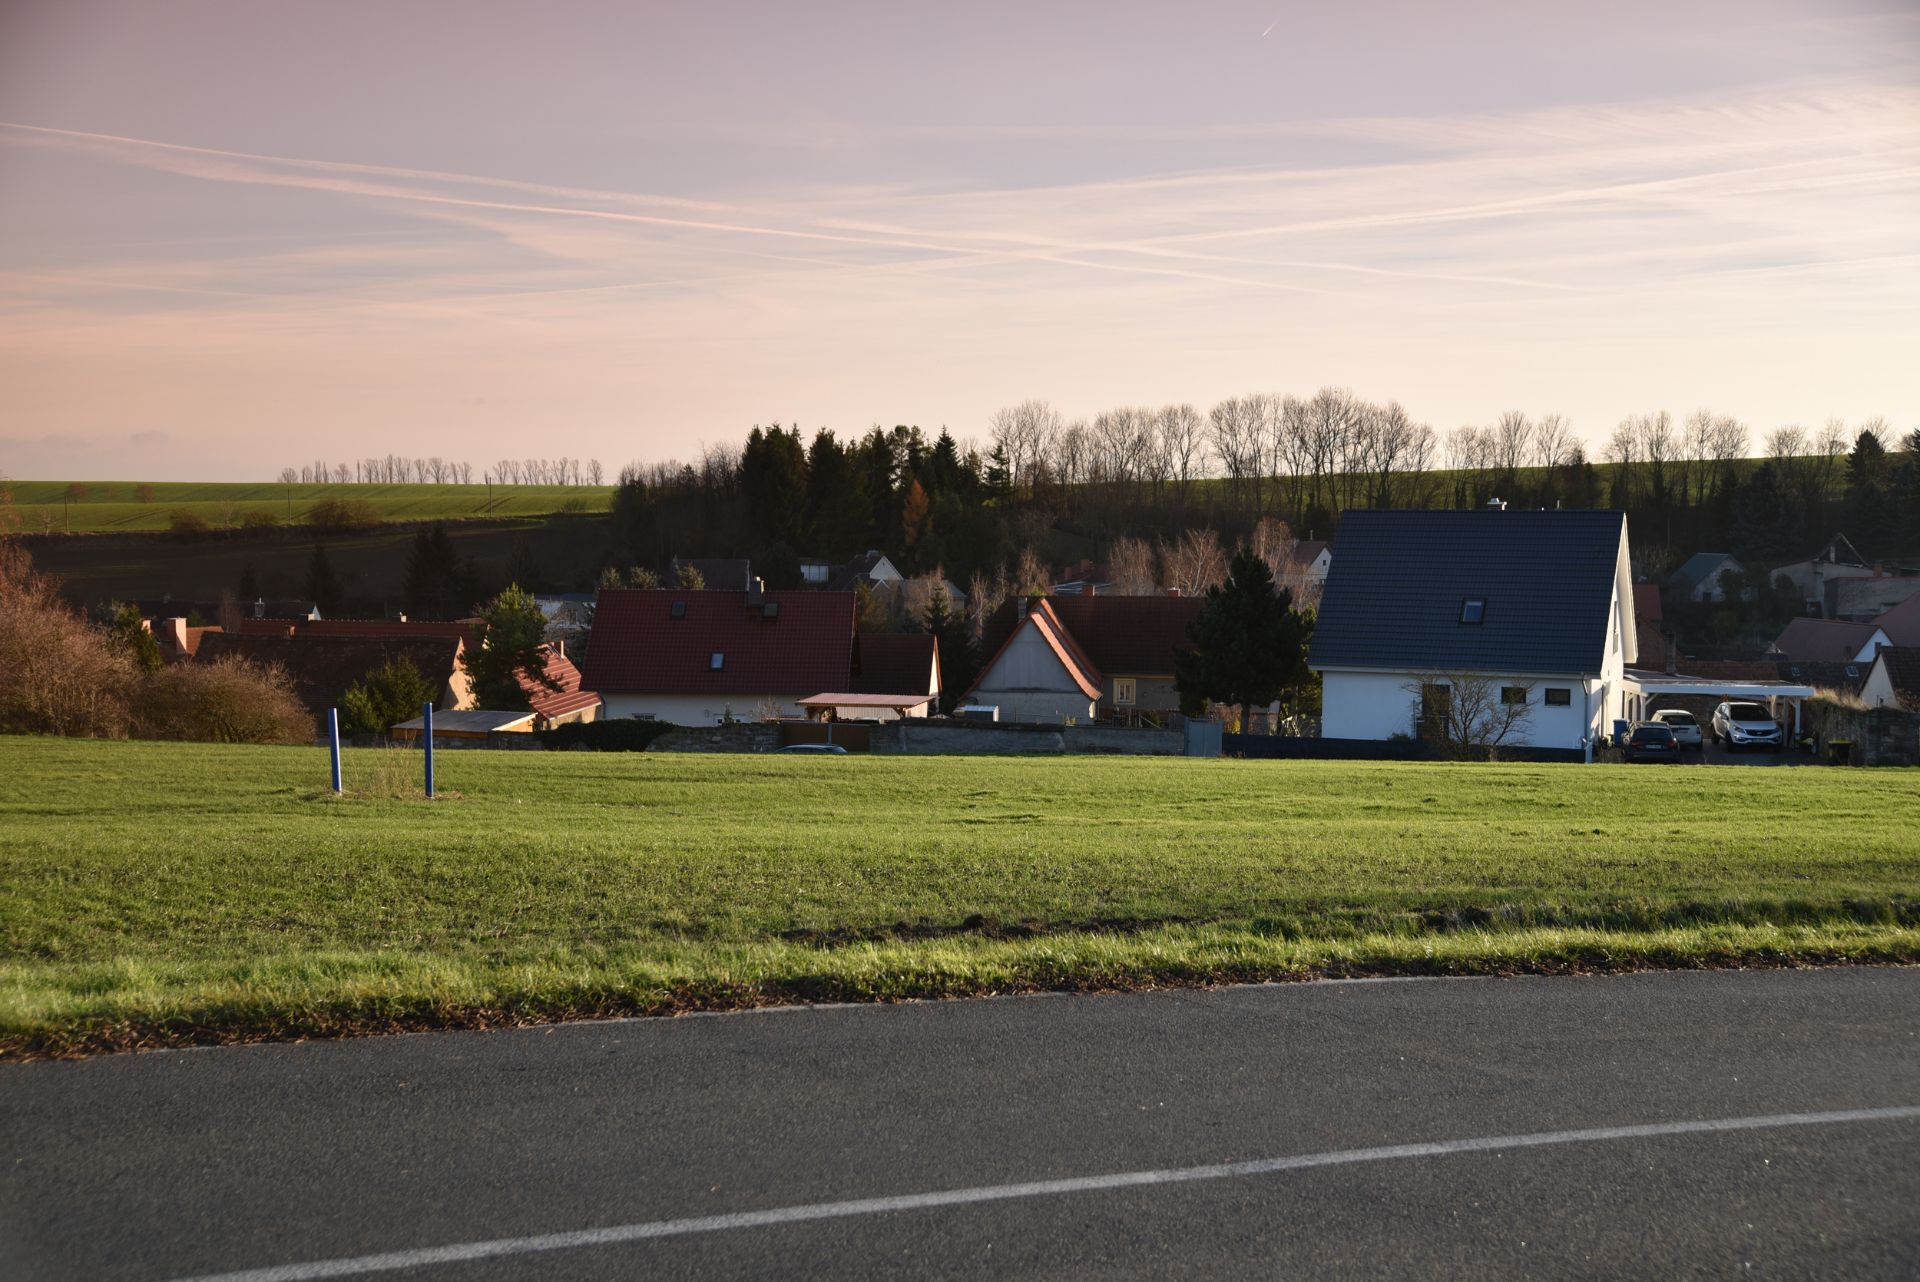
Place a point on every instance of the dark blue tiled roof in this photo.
(1400, 579)
(1696, 568)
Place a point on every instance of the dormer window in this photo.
(1473, 610)
(678, 610)
(716, 661)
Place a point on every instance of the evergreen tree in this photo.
(435, 586)
(773, 479)
(1249, 643)
(999, 475)
(388, 695)
(249, 590)
(323, 585)
(779, 568)
(514, 642)
(131, 630)
(1767, 517)
(959, 662)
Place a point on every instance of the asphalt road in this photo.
(186, 1164)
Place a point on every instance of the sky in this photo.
(235, 235)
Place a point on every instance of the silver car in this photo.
(1686, 730)
(1747, 725)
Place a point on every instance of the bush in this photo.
(229, 700)
(630, 734)
(58, 675)
(144, 493)
(259, 518)
(187, 525)
(340, 516)
(385, 697)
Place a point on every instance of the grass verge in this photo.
(162, 894)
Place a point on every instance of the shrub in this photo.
(229, 700)
(144, 493)
(336, 516)
(57, 674)
(187, 525)
(384, 697)
(259, 518)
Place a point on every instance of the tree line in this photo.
(393, 469)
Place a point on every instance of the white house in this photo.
(1539, 603)
(1839, 559)
(1702, 576)
(1039, 673)
(1895, 679)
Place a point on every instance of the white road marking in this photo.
(420, 1256)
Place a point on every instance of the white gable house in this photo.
(1537, 605)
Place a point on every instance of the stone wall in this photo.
(1880, 736)
(741, 736)
(1016, 739)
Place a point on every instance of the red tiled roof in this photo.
(1120, 635)
(897, 663)
(1902, 622)
(324, 668)
(1822, 640)
(550, 703)
(638, 647)
(1646, 602)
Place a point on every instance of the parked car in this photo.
(829, 749)
(1747, 725)
(1651, 741)
(1686, 730)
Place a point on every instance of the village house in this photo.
(1839, 559)
(1536, 603)
(1083, 658)
(1902, 622)
(1828, 641)
(704, 658)
(323, 668)
(1894, 680)
(1702, 576)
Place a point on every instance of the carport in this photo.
(1644, 689)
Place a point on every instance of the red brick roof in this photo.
(1041, 618)
(1822, 640)
(1646, 603)
(550, 703)
(638, 647)
(1119, 635)
(897, 663)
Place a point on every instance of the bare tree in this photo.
(1194, 562)
(1031, 575)
(289, 475)
(1553, 443)
(595, 473)
(1512, 441)
(1131, 568)
(985, 594)
(1183, 441)
(1236, 427)
(1025, 431)
(1468, 715)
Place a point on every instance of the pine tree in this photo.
(1249, 644)
(136, 636)
(435, 586)
(249, 590)
(513, 643)
(959, 662)
(323, 585)
(388, 695)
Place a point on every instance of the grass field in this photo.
(162, 893)
(118, 506)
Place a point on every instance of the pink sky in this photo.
(234, 235)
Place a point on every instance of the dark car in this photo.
(1650, 741)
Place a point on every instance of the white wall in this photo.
(701, 709)
(1878, 690)
(1052, 707)
(1378, 705)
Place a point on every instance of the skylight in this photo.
(678, 610)
(1473, 610)
(716, 661)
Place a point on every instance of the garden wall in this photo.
(1880, 736)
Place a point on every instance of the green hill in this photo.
(120, 507)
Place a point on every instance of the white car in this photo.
(1686, 730)
(1747, 725)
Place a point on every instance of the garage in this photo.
(1649, 692)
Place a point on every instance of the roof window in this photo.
(771, 610)
(716, 661)
(678, 610)
(1473, 610)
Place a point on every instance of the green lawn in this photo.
(117, 506)
(161, 892)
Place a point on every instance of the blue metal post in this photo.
(333, 744)
(428, 710)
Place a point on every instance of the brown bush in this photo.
(339, 516)
(187, 525)
(231, 699)
(58, 675)
(259, 518)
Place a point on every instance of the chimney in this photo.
(260, 607)
(1175, 592)
(177, 635)
(1496, 505)
(1087, 589)
(756, 591)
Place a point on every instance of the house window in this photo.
(1513, 694)
(1473, 610)
(1559, 697)
(1123, 692)
(678, 610)
(716, 661)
